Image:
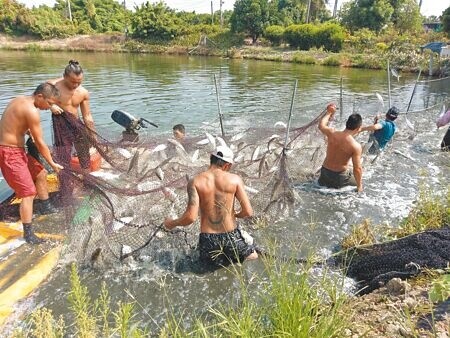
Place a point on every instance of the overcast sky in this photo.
(429, 7)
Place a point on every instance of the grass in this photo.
(289, 302)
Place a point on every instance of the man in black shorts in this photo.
(213, 192)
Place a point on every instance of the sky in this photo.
(429, 7)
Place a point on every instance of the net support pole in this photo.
(413, 92)
(341, 100)
(288, 127)
(389, 83)
(218, 107)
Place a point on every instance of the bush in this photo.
(330, 36)
(301, 36)
(332, 60)
(274, 34)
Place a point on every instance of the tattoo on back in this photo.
(217, 216)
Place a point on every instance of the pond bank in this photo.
(116, 42)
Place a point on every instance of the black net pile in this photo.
(375, 265)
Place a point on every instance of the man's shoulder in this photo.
(55, 81)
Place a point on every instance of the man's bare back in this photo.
(217, 190)
(341, 148)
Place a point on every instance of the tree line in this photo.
(300, 23)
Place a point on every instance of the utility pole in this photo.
(420, 4)
(212, 14)
(307, 13)
(335, 8)
(126, 21)
(70, 11)
(221, 14)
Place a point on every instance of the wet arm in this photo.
(36, 134)
(191, 213)
(357, 168)
(373, 127)
(244, 201)
(323, 124)
(86, 113)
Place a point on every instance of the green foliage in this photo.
(155, 22)
(446, 21)
(250, 17)
(45, 325)
(100, 16)
(430, 212)
(299, 57)
(440, 289)
(330, 36)
(406, 17)
(371, 14)
(274, 34)
(15, 18)
(48, 23)
(301, 36)
(80, 302)
(332, 60)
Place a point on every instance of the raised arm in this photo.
(375, 126)
(357, 167)
(191, 212)
(244, 201)
(323, 124)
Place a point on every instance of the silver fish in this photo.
(134, 161)
(160, 173)
(159, 147)
(255, 153)
(395, 74)
(280, 124)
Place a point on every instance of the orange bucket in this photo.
(96, 161)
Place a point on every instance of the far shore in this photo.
(117, 43)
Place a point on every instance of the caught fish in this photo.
(221, 141)
(237, 137)
(177, 144)
(195, 155)
(255, 153)
(409, 124)
(261, 166)
(160, 173)
(119, 224)
(250, 189)
(134, 161)
(170, 194)
(395, 74)
(211, 140)
(148, 185)
(159, 147)
(125, 153)
(238, 158)
(126, 250)
(203, 142)
(280, 124)
(380, 99)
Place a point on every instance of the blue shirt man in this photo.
(383, 131)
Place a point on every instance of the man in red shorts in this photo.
(21, 115)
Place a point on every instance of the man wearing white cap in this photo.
(213, 193)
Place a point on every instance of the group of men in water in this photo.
(210, 193)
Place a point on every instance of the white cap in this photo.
(224, 153)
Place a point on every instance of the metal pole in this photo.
(389, 83)
(70, 11)
(307, 13)
(341, 100)
(290, 116)
(414, 90)
(221, 13)
(212, 14)
(218, 107)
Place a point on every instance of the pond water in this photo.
(177, 89)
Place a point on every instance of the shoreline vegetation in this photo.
(290, 303)
(117, 43)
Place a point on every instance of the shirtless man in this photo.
(341, 148)
(213, 193)
(21, 115)
(72, 97)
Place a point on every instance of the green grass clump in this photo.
(332, 60)
(431, 211)
(304, 59)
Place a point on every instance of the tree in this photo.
(371, 14)
(446, 21)
(155, 22)
(406, 16)
(251, 17)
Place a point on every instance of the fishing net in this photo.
(374, 265)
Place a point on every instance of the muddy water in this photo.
(169, 90)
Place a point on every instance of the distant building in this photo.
(432, 26)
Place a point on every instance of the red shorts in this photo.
(14, 166)
(34, 166)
